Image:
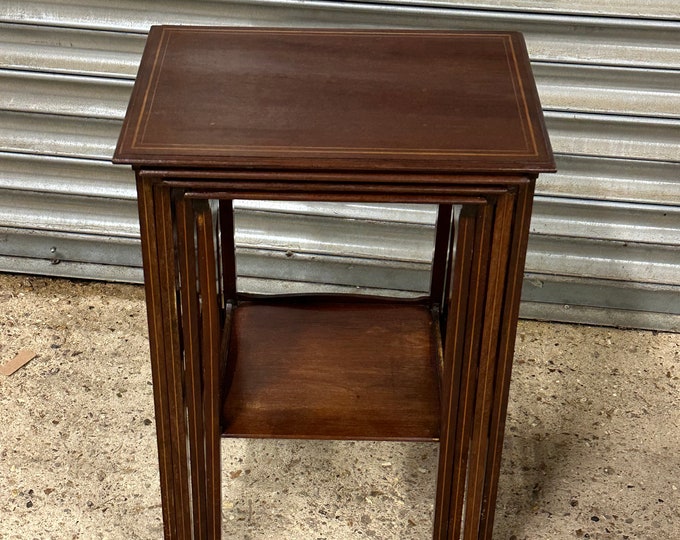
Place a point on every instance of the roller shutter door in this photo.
(605, 242)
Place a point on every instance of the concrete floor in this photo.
(592, 447)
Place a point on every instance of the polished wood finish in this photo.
(326, 369)
(213, 348)
(149, 235)
(192, 353)
(335, 99)
(445, 118)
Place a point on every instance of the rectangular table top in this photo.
(335, 99)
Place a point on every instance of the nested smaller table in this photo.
(444, 118)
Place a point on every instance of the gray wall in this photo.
(605, 236)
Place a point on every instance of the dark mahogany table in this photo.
(444, 118)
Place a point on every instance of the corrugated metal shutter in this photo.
(606, 228)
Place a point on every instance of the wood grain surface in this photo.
(350, 99)
(322, 369)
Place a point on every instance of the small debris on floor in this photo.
(21, 359)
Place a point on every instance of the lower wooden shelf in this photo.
(332, 369)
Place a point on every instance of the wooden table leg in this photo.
(185, 371)
(193, 349)
(200, 324)
(492, 324)
(166, 359)
(513, 289)
(484, 300)
(461, 349)
(211, 347)
(157, 349)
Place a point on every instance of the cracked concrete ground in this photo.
(592, 446)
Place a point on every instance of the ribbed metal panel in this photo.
(653, 9)
(69, 95)
(606, 228)
(67, 50)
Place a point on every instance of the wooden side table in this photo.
(444, 118)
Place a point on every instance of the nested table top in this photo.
(329, 99)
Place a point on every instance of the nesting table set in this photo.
(450, 119)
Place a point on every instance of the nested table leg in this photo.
(482, 314)
(461, 350)
(192, 345)
(184, 331)
(160, 283)
(210, 363)
(512, 294)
